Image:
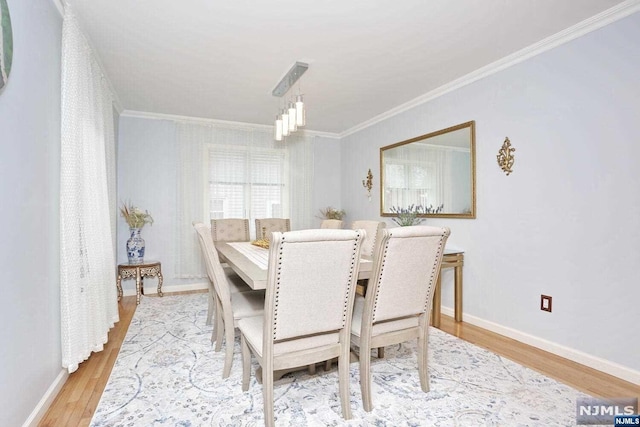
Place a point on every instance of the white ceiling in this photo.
(221, 59)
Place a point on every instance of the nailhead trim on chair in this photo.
(433, 274)
(275, 307)
(384, 257)
(353, 264)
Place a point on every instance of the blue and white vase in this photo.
(135, 247)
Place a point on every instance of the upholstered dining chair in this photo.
(235, 285)
(373, 229)
(230, 230)
(331, 223)
(311, 284)
(270, 225)
(397, 305)
(231, 305)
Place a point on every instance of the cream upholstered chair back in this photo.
(203, 230)
(311, 283)
(212, 262)
(373, 229)
(271, 225)
(396, 308)
(405, 270)
(230, 230)
(331, 223)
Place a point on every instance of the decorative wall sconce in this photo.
(505, 157)
(368, 183)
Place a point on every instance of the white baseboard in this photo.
(152, 289)
(41, 408)
(611, 368)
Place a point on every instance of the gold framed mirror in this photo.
(435, 172)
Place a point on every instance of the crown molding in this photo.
(206, 121)
(607, 17)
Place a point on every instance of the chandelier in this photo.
(293, 114)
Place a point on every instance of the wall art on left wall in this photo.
(6, 43)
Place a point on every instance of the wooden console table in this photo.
(139, 272)
(451, 259)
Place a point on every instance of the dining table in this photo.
(251, 262)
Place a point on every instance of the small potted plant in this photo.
(331, 213)
(407, 216)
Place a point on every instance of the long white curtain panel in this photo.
(88, 298)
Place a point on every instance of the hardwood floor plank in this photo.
(578, 376)
(77, 401)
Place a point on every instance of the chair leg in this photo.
(218, 326)
(365, 376)
(343, 382)
(210, 309)
(267, 396)
(423, 356)
(229, 337)
(246, 363)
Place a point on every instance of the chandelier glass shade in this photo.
(277, 129)
(293, 114)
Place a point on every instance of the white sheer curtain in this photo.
(193, 187)
(191, 140)
(88, 298)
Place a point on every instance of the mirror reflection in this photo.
(433, 173)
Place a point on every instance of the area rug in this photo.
(167, 374)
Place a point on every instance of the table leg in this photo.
(159, 282)
(435, 311)
(119, 286)
(458, 293)
(138, 285)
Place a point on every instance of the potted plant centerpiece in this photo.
(409, 216)
(136, 218)
(331, 213)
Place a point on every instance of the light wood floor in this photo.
(77, 401)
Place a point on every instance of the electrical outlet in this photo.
(545, 303)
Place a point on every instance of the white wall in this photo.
(566, 222)
(29, 175)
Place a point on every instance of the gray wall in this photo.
(566, 222)
(29, 188)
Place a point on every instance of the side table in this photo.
(139, 272)
(451, 259)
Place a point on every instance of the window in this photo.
(247, 182)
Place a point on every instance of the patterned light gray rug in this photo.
(167, 374)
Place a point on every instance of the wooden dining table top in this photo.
(251, 262)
